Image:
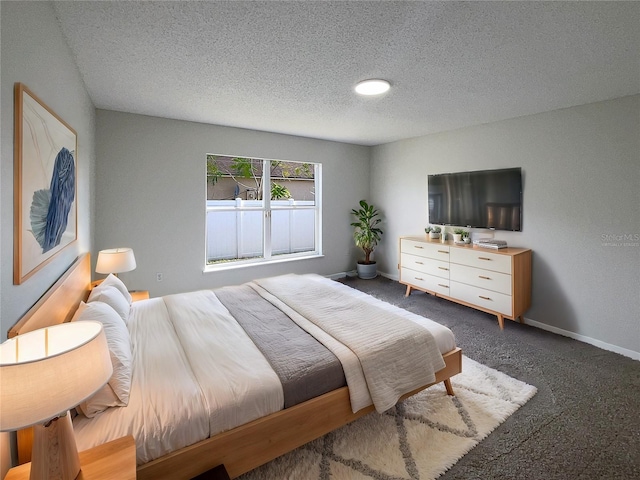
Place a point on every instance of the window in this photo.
(261, 210)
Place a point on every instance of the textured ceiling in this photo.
(290, 67)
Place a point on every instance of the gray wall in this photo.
(150, 195)
(581, 170)
(34, 52)
(581, 166)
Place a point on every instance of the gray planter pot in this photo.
(367, 272)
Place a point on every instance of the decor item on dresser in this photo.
(492, 243)
(116, 260)
(45, 206)
(366, 235)
(466, 237)
(432, 232)
(495, 282)
(44, 373)
(457, 234)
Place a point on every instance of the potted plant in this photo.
(457, 234)
(432, 232)
(366, 235)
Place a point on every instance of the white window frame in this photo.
(267, 210)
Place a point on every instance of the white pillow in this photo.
(112, 297)
(114, 281)
(116, 392)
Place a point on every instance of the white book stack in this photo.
(491, 243)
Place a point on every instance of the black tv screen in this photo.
(480, 199)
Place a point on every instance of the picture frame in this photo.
(45, 184)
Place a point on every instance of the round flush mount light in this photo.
(372, 87)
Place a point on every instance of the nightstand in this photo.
(114, 460)
(135, 294)
(139, 295)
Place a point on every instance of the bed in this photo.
(207, 431)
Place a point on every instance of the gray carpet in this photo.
(584, 422)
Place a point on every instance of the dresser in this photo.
(494, 281)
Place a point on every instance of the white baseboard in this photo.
(582, 338)
(390, 276)
(335, 276)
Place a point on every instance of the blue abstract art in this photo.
(45, 184)
(50, 208)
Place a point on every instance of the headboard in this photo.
(60, 302)
(56, 306)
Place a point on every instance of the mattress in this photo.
(188, 384)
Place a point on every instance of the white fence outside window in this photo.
(235, 228)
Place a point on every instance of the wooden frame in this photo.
(45, 184)
(60, 302)
(240, 449)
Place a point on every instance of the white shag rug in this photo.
(420, 438)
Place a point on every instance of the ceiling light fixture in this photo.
(372, 87)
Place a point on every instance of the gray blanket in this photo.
(305, 367)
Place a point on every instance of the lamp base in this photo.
(55, 455)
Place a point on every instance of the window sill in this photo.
(235, 265)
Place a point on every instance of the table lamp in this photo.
(43, 374)
(115, 260)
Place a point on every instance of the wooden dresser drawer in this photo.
(423, 249)
(496, 281)
(425, 265)
(425, 281)
(481, 259)
(488, 299)
(478, 277)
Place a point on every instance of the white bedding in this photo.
(396, 355)
(187, 384)
(238, 383)
(166, 408)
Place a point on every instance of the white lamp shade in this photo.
(46, 372)
(115, 260)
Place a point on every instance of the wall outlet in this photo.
(159, 276)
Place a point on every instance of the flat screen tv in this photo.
(480, 199)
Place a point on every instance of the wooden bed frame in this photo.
(241, 449)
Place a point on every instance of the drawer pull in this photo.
(418, 278)
(484, 258)
(483, 277)
(484, 298)
(443, 268)
(416, 246)
(443, 251)
(443, 286)
(419, 263)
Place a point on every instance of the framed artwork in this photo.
(45, 185)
